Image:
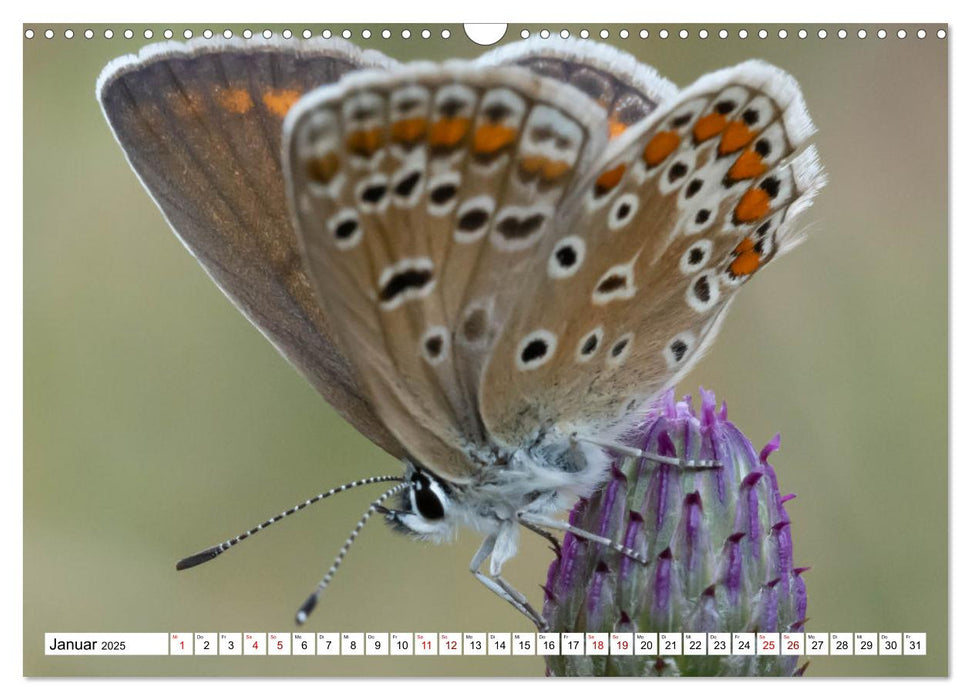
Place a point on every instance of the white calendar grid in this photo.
(486, 644)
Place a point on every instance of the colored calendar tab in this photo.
(622, 644)
(597, 643)
(278, 644)
(793, 644)
(254, 644)
(767, 644)
(449, 644)
(180, 644)
(426, 644)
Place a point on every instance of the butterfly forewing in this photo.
(680, 211)
(201, 124)
(627, 89)
(421, 198)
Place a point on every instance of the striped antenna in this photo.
(308, 606)
(213, 552)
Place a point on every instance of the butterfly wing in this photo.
(201, 125)
(420, 196)
(627, 89)
(680, 211)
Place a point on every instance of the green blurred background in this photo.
(158, 421)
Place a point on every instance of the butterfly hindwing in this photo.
(679, 212)
(201, 124)
(421, 197)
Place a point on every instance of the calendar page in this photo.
(464, 281)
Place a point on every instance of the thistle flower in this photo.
(717, 541)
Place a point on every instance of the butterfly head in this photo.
(426, 507)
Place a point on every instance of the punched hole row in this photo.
(488, 38)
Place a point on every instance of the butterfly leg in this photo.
(543, 521)
(554, 543)
(500, 587)
(627, 450)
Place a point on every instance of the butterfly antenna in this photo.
(308, 606)
(213, 552)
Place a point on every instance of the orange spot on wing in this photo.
(491, 138)
(748, 165)
(708, 126)
(280, 101)
(365, 142)
(753, 205)
(546, 169)
(745, 264)
(609, 179)
(448, 132)
(746, 244)
(555, 169)
(408, 130)
(323, 168)
(235, 100)
(615, 128)
(660, 147)
(736, 135)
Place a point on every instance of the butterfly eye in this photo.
(428, 497)
(427, 504)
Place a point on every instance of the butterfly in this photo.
(488, 267)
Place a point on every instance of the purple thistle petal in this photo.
(719, 542)
(662, 586)
(770, 447)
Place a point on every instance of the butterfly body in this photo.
(505, 258)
